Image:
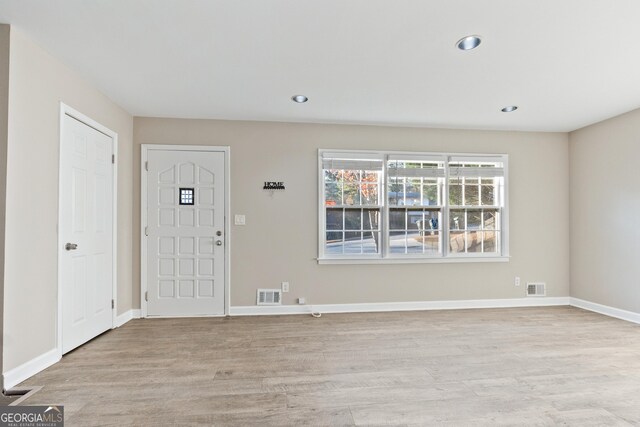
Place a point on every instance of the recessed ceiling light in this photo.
(509, 108)
(468, 43)
(300, 99)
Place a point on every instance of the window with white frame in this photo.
(353, 206)
(420, 206)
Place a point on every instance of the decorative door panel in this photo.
(185, 226)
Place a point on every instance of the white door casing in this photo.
(184, 232)
(86, 271)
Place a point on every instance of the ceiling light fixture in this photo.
(468, 43)
(510, 108)
(300, 99)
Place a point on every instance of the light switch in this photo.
(240, 220)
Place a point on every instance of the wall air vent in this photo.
(537, 289)
(269, 297)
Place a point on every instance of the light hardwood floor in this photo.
(524, 366)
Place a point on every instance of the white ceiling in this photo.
(565, 63)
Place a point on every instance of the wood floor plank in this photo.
(375, 396)
(522, 366)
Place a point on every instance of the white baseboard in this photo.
(268, 310)
(255, 310)
(126, 316)
(42, 362)
(629, 316)
(15, 376)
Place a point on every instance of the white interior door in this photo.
(185, 233)
(86, 232)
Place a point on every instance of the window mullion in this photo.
(466, 230)
(463, 191)
(497, 225)
(344, 227)
(481, 227)
(445, 210)
(383, 221)
(406, 229)
(322, 211)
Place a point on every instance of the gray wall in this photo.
(37, 83)
(605, 207)
(279, 242)
(4, 112)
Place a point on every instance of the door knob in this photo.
(71, 246)
(218, 233)
(218, 242)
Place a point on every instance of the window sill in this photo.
(443, 260)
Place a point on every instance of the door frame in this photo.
(66, 110)
(145, 148)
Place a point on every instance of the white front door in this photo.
(86, 232)
(185, 233)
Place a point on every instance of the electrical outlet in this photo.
(240, 220)
(516, 282)
(301, 301)
(285, 286)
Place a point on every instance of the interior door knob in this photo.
(219, 242)
(71, 246)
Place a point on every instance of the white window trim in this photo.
(385, 257)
